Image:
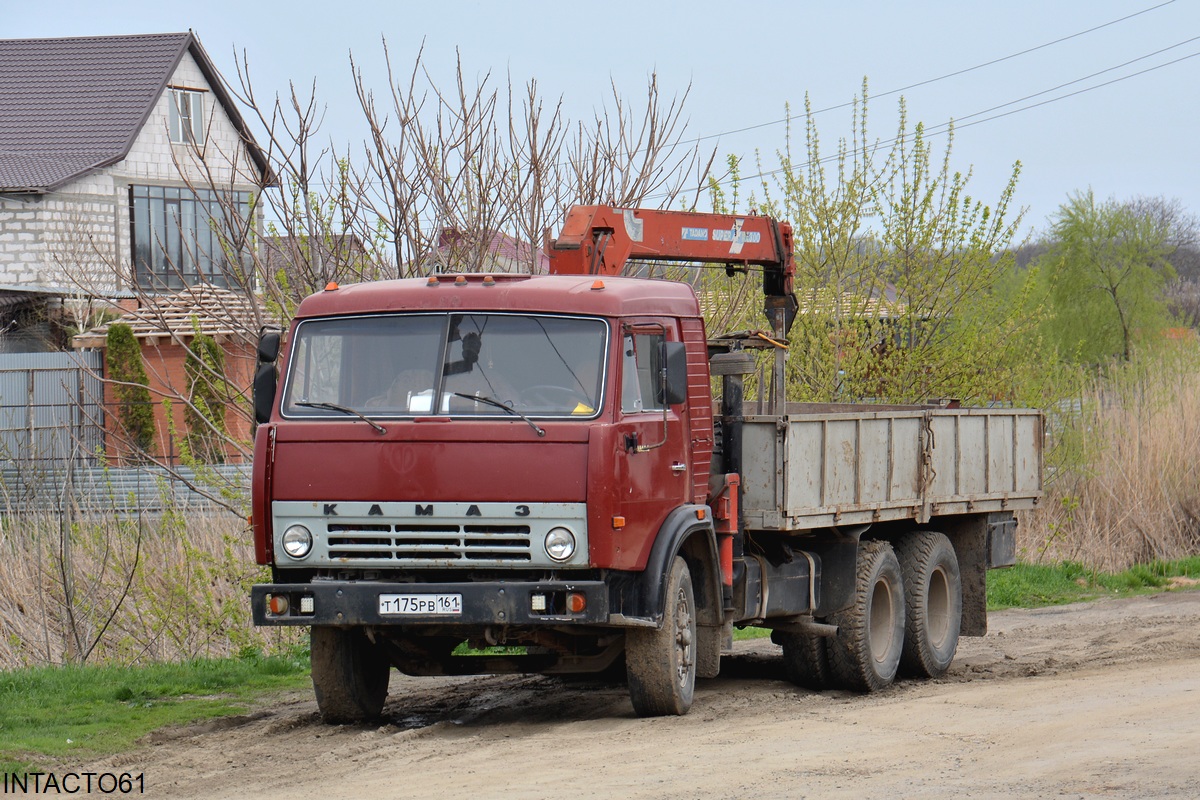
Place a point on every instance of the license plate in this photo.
(401, 604)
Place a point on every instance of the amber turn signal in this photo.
(278, 604)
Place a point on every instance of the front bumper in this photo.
(354, 603)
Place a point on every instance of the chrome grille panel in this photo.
(419, 542)
(407, 535)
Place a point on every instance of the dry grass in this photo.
(127, 591)
(1125, 488)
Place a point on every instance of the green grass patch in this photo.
(750, 633)
(1036, 585)
(70, 714)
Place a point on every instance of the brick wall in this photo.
(164, 362)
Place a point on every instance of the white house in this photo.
(125, 169)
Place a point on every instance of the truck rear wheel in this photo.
(865, 654)
(805, 660)
(660, 664)
(349, 675)
(933, 599)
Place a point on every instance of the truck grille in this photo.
(440, 542)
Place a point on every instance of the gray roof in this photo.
(71, 106)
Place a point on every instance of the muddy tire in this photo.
(349, 675)
(865, 654)
(708, 650)
(660, 665)
(805, 660)
(933, 599)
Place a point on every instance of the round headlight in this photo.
(560, 544)
(297, 541)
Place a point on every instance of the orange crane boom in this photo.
(601, 240)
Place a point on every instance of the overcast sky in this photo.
(745, 61)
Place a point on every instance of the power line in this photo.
(940, 128)
(948, 75)
(1084, 90)
(955, 73)
(943, 128)
(1072, 83)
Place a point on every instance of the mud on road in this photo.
(1089, 700)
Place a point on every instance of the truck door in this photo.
(652, 466)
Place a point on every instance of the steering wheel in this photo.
(556, 397)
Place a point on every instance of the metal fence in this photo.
(52, 446)
(51, 409)
(124, 491)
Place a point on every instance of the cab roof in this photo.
(607, 296)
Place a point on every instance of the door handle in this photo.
(678, 467)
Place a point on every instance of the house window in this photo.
(183, 237)
(187, 116)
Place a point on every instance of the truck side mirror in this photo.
(265, 379)
(674, 356)
(266, 376)
(268, 346)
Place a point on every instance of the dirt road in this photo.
(1094, 700)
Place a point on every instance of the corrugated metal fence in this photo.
(52, 446)
(51, 408)
(124, 491)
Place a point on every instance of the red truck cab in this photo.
(490, 458)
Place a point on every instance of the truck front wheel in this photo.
(661, 664)
(349, 675)
(865, 654)
(933, 597)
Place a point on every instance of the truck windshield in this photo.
(438, 364)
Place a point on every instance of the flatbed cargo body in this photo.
(824, 465)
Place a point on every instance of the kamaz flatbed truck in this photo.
(541, 463)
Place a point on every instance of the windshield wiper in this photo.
(490, 402)
(344, 410)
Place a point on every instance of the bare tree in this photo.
(449, 175)
(1183, 300)
(477, 164)
(1179, 228)
(1180, 231)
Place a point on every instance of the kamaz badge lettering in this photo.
(331, 509)
(472, 510)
